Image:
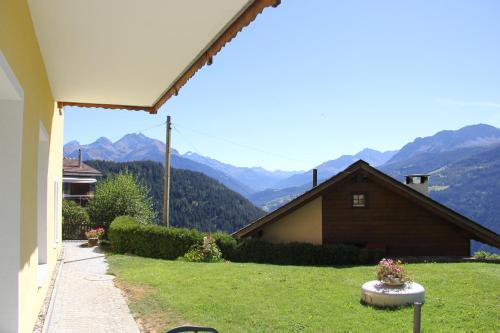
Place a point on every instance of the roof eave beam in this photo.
(205, 58)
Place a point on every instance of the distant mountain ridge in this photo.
(258, 177)
(425, 155)
(332, 167)
(473, 136)
(138, 147)
(244, 180)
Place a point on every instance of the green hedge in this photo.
(304, 254)
(128, 236)
(74, 213)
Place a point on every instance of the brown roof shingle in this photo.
(71, 168)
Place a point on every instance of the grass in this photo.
(236, 297)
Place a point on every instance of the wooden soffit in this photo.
(232, 16)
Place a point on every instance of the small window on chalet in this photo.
(358, 200)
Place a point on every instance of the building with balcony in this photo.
(79, 180)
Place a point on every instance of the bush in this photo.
(74, 213)
(121, 234)
(206, 252)
(370, 256)
(260, 251)
(226, 243)
(120, 195)
(483, 255)
(128, 236)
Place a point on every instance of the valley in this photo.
(464, 166)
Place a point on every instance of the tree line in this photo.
(196, 200)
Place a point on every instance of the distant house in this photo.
(367, 208)
(78, 180)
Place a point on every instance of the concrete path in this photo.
(85, 298)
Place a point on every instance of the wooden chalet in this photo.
(365, 207)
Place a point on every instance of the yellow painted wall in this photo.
(301, 225)
(19, 45)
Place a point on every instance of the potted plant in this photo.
(93, 236)
(392, 272)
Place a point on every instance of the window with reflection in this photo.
(358, 200)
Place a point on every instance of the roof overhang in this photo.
(129, 54)
(74, 180)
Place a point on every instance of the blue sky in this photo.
(312, 80)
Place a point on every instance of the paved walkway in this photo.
(85, 298)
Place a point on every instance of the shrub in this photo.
(208, 251)
(260, 251)
(120, 195)
(121, 234)
(483, 255)
(370, 256)
(129, 236)
(226, 243)
(74, 213)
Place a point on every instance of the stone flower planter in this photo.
(378, 293)
(92, 241)
(393, 282)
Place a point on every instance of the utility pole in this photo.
(166, 183)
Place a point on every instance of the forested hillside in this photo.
(472, 187)
(196, 201)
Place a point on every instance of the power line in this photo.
(241, 145)
(154, 126)
(244, 145)
(185, 139)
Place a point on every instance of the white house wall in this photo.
(11, 124)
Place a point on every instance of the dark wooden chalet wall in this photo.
(389, 218)
(79, 189)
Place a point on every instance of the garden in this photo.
(175, 276)
(188, 280)
(247, 297)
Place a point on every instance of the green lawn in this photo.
(265, 298)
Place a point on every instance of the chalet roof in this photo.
(71, 168)
(476, 231)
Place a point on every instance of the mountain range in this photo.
(332, 167)
(244, 180)
(256, 178)
(138, 147)
(464, 166)
(258, 184)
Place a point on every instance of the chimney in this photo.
(315, 177)
(418, 182)
(79, 158)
